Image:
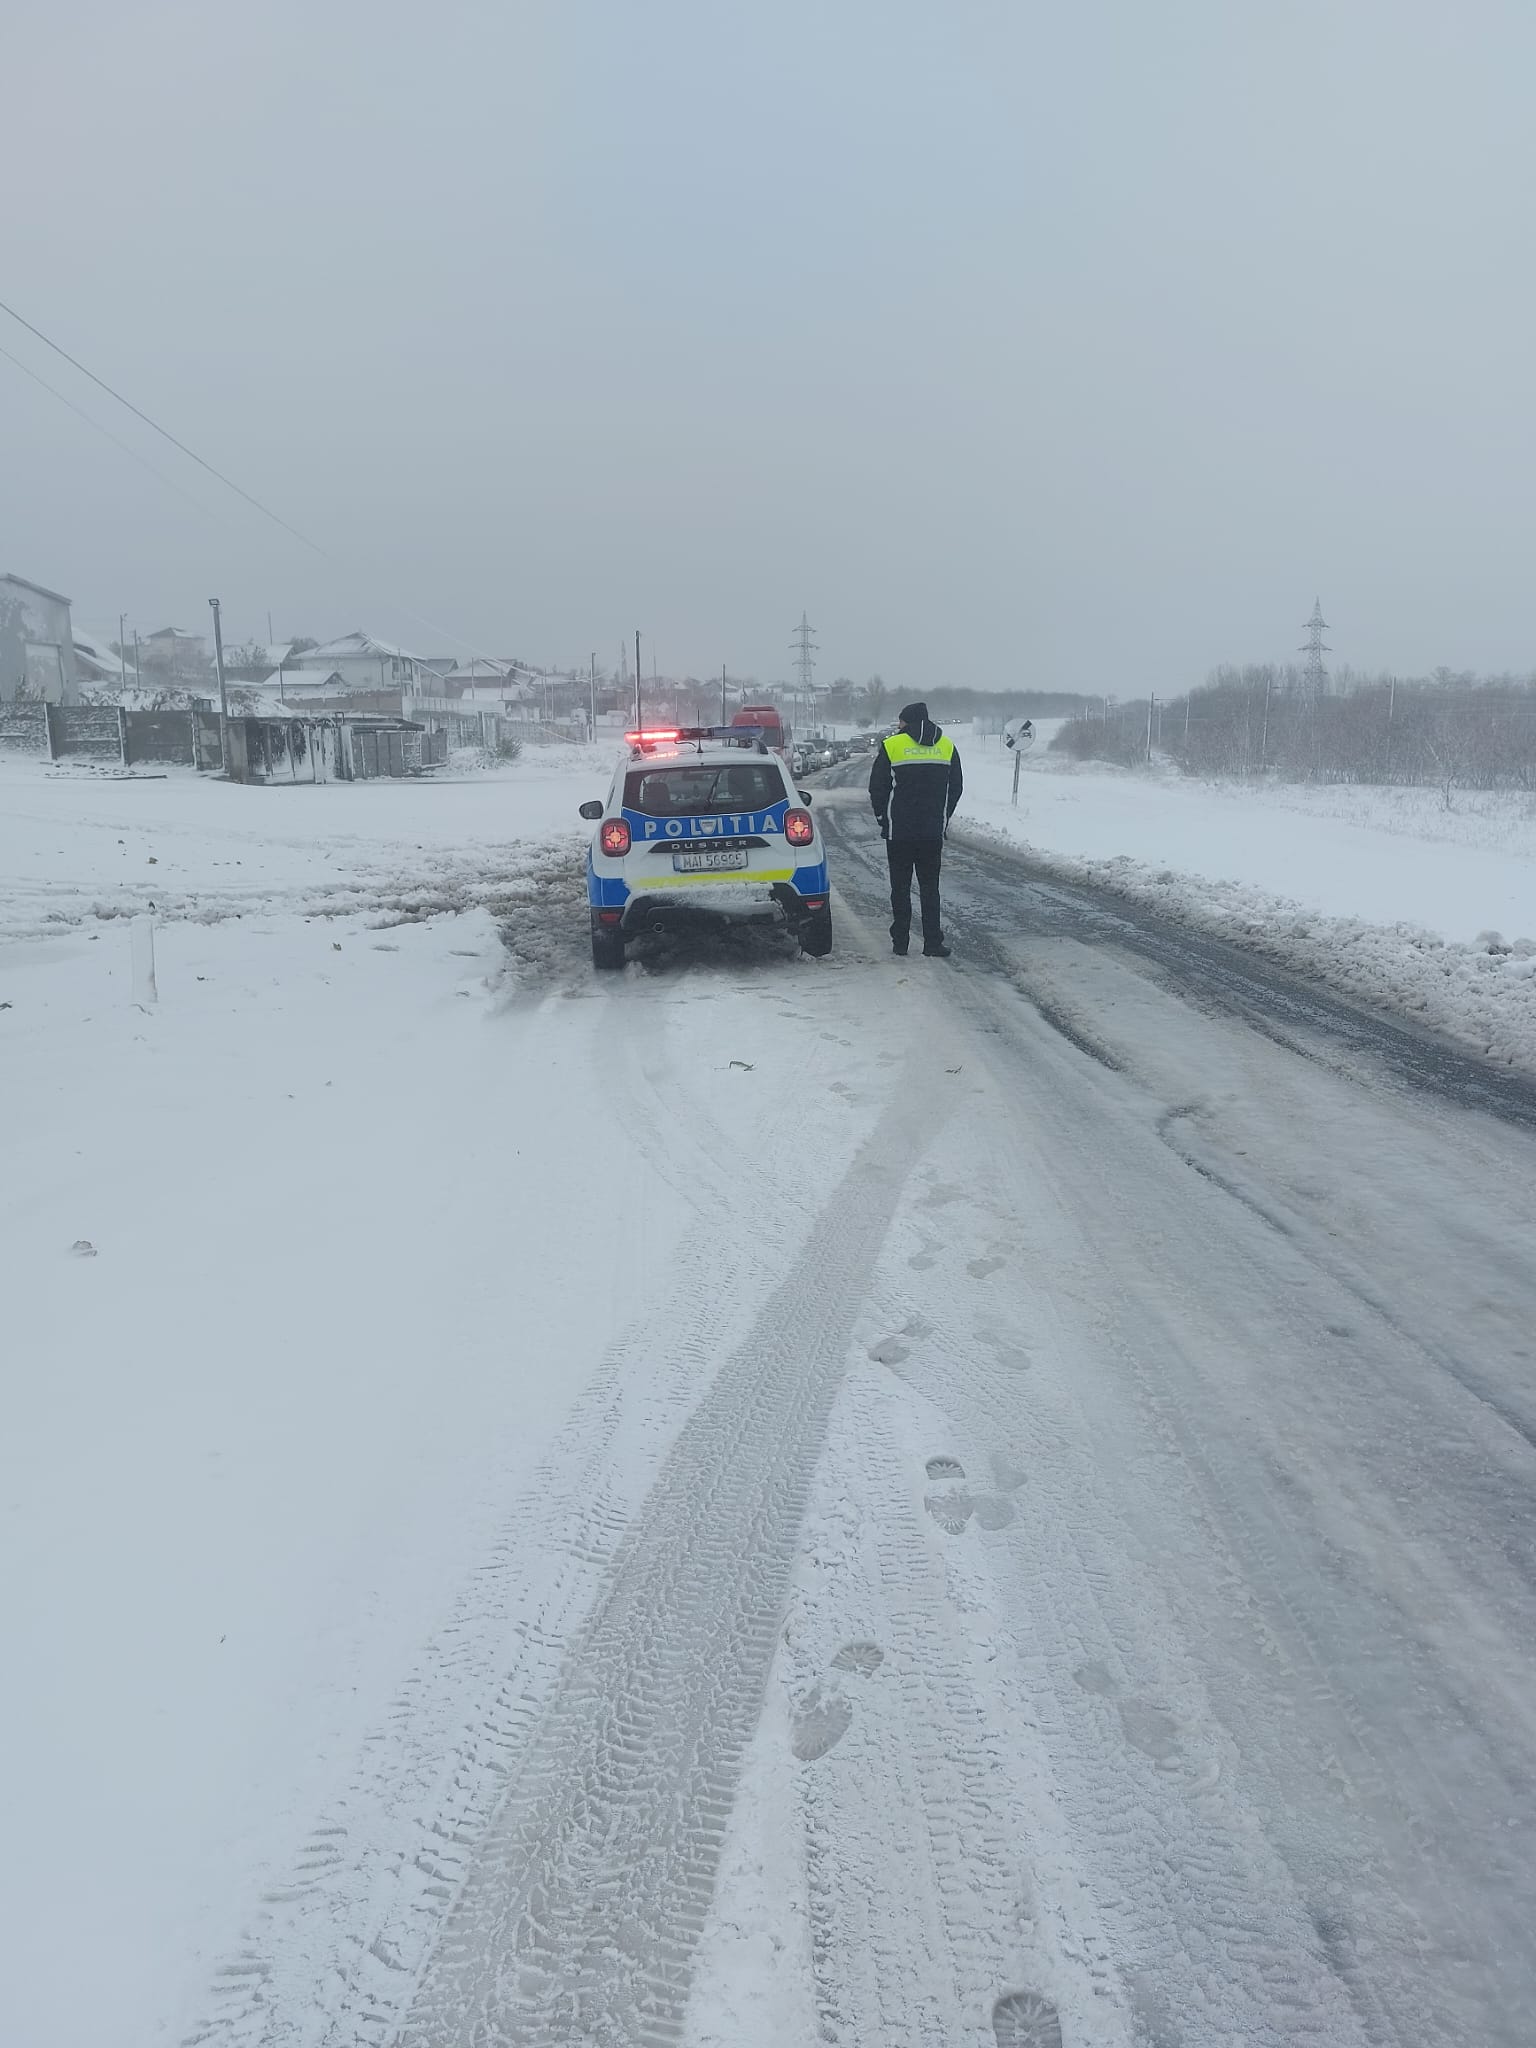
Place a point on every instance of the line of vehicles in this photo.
(704, 827)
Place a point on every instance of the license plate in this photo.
(710, 860)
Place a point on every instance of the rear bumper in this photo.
(715, 907)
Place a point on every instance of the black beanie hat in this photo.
(912, 714)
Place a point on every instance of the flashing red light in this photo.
(798, 829)
(614, 838)
(651, 735)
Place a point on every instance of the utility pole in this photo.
(1151, 708)
(639, 715)
(270, 641)
(723, 718)
(592, 731)
(135, 654)
(1391, 706)
(218, 662)
(122, 659)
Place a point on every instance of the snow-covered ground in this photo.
(751, 1502)
(255, 1430)
(1387, 892)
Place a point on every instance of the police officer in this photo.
(914, 785)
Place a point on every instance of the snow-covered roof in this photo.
(97, 653)
(38, 589)
(173, 633)
(482, 671)
(302, 679)
(354, 644)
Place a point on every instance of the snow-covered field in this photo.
(254, 1432)
(1386, 892)
(751, 1502)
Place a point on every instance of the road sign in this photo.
(1019, 734)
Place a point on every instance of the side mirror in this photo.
(594, 809)
(804, 795)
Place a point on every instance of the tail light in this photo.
(614, 838)
(798, 829)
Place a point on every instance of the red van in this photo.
(775, 731)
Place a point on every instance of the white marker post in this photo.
(145, 993)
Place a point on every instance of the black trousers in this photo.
(920, 857)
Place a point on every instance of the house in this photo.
(37, 645)
(365, 665)
(177, 656)
(484, 681)
(308, 686)
(251, 661)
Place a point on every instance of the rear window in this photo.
(678, 792)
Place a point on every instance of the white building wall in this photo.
(37, 647)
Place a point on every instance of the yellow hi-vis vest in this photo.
(901, 748)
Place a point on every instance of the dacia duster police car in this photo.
(703, 827)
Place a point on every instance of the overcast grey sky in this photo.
(1074, 345)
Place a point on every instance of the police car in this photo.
(703, 827)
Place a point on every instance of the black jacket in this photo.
(915, 783)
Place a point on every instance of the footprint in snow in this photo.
(953, 1509)
(861, 1657)
(1006, 1476)
(1023, 2019)
(825, 1715)
(821, 1721)
(1145, 1727)
(944, 1468)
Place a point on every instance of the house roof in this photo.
(483, 671)
(300, 679)
(41, 590)
(355, 644)
(97, 654)
(173, 633)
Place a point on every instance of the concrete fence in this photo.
(264, 750)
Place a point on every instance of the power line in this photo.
(79, 411)
(266, 511)
(164, 432)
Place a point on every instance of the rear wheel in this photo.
(607, 949)
(816, 934)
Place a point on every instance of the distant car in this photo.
(703, 828)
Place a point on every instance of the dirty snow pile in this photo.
(1388, 894)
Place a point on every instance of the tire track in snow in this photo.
(329, 1959)
(578, 1917)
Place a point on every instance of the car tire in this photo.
(607, 949)
(816, 934)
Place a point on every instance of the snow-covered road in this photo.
(980, 1503)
